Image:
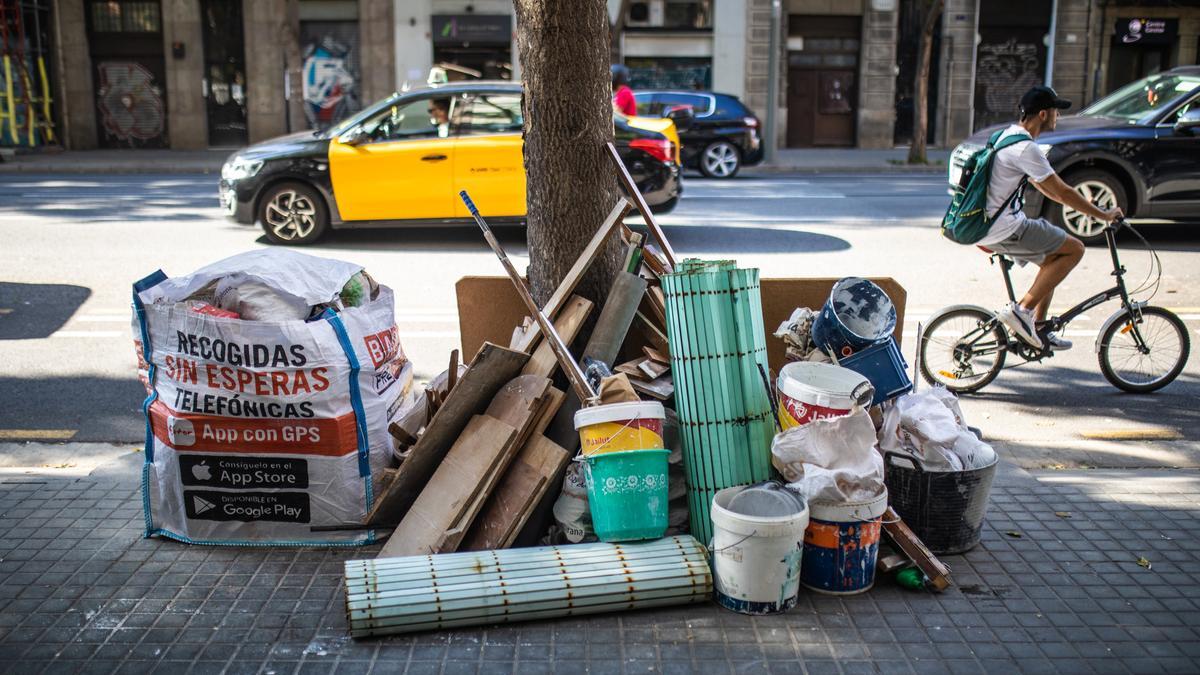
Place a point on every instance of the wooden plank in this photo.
(565, 287)
(633, 192)
(522, 487)
(491, 368)
(904, 539)
(568, 325)
(661, 388)
(520, 404)
(468, 463)
(656, 355)
(631, 369)
(653, 369)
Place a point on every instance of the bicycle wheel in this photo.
(962, 349)
(1130, 369)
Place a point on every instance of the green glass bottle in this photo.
(911, 577)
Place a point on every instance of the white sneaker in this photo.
(1057, 343)
(1020, 321)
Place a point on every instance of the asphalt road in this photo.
(72, 245)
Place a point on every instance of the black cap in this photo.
(1041, 98)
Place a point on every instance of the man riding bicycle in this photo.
(1034, 240)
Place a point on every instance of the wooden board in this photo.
(488, 308)
(492, 367)
(528, 478)
(905, 540)
(653, 369)
(571, 279)
(454, 484)
(661, 388)
(568, 325)
(631, 369)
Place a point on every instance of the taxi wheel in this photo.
(292, 214)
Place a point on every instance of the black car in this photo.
(1137, 148)
(405, 159)
(723, 134)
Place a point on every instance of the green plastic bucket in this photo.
(627, 494)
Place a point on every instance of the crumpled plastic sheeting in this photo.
(929, 426)
(831, 460)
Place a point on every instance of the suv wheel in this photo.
(292, 214)
(1098, 187)
(720, 160)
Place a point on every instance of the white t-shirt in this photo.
(1010, 165)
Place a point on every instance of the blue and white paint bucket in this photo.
(841, 545)
(857, 314)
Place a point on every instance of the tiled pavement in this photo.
(80, 590)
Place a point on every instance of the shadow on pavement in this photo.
(1081, 393)
(693, 239)
(33, 311)
(97, 408)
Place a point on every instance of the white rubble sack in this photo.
(259, 432)
(929, 426)
(831, 460)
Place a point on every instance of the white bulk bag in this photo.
(257, 432)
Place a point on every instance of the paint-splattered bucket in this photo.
(618, 427)
(857, 315)
(815, 391)
(841, 545)
(628, 494)
(756, 549)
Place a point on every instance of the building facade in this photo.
(190, 74)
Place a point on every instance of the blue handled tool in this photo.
(578, 380)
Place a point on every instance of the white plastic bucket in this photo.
(756, 560)
(618, 427)
(815, 391)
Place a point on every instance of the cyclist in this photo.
(1034, 240)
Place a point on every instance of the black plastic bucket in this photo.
(944, 508)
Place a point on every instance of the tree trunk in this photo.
(916, 152)
(571, 184)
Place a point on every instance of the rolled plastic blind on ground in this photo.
(718, 343)
(388, 596)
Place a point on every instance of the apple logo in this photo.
(201, 472)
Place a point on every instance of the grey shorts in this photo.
(1035, 239)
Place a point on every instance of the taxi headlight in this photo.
(239, 168)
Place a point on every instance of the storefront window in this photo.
(669, 73)
(126, 17)
(687, 14)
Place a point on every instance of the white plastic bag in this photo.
(571, 510)
(831, 459)
(257, 431)
(929, 426)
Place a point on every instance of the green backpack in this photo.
(966, 220)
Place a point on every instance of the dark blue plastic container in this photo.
(884, 367)
(852, 302)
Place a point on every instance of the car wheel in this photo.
(1098, 187)
(720, 160)
(292, 214)
(665, 207)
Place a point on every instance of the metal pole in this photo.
(1053, 37)
(574, 375)
(770, 135)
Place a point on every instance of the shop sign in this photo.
(1147, 31)
(459, 28)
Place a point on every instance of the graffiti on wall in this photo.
(130, 102)
(1006, 71)
(330, 78)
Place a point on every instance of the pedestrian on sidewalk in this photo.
(623, 99)
(1034, 240)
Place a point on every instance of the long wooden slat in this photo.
(569, 323)
(491, 368)
(454, 484)
(567, 286)
(632, 189)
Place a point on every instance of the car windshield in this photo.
(1138, 99)
(365, 114)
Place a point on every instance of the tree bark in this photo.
(916, 152)
(571, 185)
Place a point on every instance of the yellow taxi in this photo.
(403, 161)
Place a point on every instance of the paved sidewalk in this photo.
(117, 161)
(850, 160)
(82, 591)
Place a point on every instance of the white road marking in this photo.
(89, 334)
